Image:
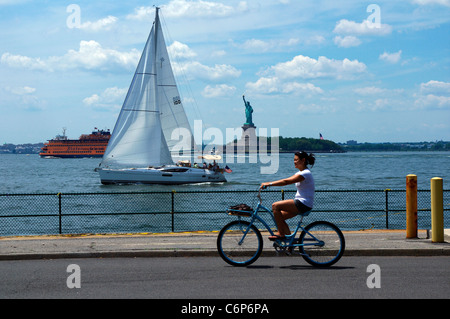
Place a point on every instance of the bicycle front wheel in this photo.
(323, 244)
(239, 243)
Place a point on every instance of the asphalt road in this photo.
(211, 278)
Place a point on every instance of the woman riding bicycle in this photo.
(304, 199)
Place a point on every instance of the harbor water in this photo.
(354, 170)
(358, 173)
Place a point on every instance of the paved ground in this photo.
(358, 243)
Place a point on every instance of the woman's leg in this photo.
(283, 210)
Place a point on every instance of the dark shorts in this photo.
(302, 208)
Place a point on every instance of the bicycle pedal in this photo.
(289, 251)
(278, 248)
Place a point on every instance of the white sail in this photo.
(173, 115)
(151, 111)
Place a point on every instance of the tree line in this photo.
(292, 144)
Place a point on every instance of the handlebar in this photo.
(259, 193)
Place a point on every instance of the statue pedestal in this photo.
(249, 141)
(248, 126)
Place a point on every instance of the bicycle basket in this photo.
(240, 210)
(243, 207)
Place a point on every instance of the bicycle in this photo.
(240, 243)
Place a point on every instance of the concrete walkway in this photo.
(358, 243)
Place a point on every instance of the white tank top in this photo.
(305, 189)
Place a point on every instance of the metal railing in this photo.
(178, 211)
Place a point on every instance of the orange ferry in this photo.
(88, 145)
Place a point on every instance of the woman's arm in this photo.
(286, 181)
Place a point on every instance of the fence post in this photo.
(173, 211)
(437, 210)
(411, 206)
(387, 207)
(60, 213)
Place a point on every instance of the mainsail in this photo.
(152, 110)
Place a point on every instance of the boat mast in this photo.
(156, 73)
(155, 48)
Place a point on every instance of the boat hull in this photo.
(165, 176)
(88, 145)
(43, 155)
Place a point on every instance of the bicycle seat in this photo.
(305, 213)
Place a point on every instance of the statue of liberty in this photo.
(248, 112)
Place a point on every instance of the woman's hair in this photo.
(310, 159)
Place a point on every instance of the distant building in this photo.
(352, 142)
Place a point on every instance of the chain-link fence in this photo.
(155, 212)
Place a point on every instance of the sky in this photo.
(371, 71)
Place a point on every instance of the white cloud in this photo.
(19, 61)
(219, 53)
(433, 94)
(435, 87)
(90, 55)
(301, 88)
(94, 99)
(256, 45)
(102, 24)
(24, 97)
(264, 85)
(195, 69)
(179, 8)
(182, 63)
(315, 40)
(432, 101)
(366, 27)
(347, 41)
(432, 2)
(218, 91)
(370, 90)
(270, 85)
(391, 57)
(309, 68)
(180, 50)
(110, 99)
(381, 104)
(142, 13)
(21, 90)
(193, 9)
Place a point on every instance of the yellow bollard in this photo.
(411, 206)
(437, 210)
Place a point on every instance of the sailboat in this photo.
(138, 151)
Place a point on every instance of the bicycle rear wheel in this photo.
(323, 244)
(239, 244)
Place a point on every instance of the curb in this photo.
(214, 253)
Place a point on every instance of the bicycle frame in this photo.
(289, 241)
(327, 239)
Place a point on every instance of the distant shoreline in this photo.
(283, 151)
(344, 148)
